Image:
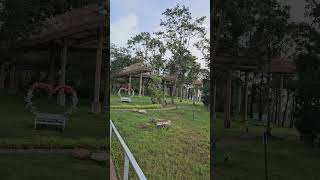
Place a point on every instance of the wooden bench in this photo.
(50, 119)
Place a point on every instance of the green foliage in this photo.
(313, 11)
(179, 27)
(149, 49)
(206, 92)
(308, 96)
(254, 28)
(120, 58)
(155, 88)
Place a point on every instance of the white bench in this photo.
(50, 119)
(126, 99)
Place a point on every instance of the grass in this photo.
(83, 129)
(49, 167)
(179, 152)
(182, 151)
(288, 158)
(146, 100)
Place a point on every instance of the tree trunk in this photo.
(260, 110)
(285, 109)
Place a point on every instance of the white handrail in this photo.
(128, 156)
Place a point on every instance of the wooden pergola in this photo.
(247, 64)
(136, 70)
(81, 30)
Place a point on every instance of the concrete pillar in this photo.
(140, 85)
(61, 96)
(227, 99)
(96, 106)
(245, 98)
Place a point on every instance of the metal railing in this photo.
(128, 157)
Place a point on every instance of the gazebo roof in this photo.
(197, 82)
(169, 77)
(252, 64)
(134, 69)
(79, 26)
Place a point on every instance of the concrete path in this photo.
(161, 109)
(36, 151)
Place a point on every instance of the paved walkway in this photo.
(36, 151)
(161, 109)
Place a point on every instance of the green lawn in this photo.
(182, 151)
(146, 100)
(49, 167)
(288, 158)
(84, 129)
(16, 125)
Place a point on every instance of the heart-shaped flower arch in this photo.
(125, 89)
(50, 90)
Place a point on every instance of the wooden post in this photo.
(96, 107)
(61, 96)
(51, 68)
(143, 88)
(165, 88)
(140, 85)
(12, 78)
(3, 74)
(107, 86)
(245, 98)
(228, 100)
(213, 105)
(280, 99)
(129, 92)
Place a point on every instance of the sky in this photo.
(130, 17)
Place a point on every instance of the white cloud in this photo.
(123, 29)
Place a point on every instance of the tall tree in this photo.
(150, 49)
(313, 11)
(178, 29)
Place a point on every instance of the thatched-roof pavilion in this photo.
(134, 70)
(247, 64)
(82, 31)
